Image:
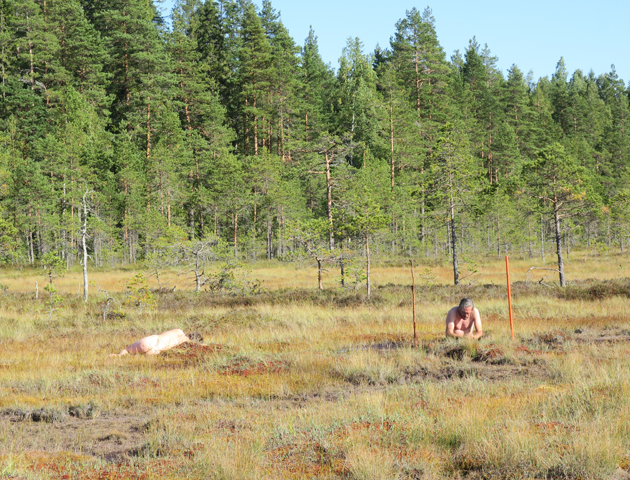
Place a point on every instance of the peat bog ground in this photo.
(292, 383)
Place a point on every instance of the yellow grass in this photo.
(276, 275)
(308, 388)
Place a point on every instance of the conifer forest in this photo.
(128, 138)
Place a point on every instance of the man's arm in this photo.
(122, 352)
(450, 331)
(477, 322)
(450, 326)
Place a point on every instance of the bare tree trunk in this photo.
(498, 236)
(84, 245)
(235, 235)
(255, 130)
(281, 233)
(30, 52)
(529, 237)
(40, 243)
(197, 272)
(435, 243)
(542, 239)
(148, 129)
(30, 249)
(343, 271)
(367, 267)
(191, 222)
(454, 248)
(391, 134)
(30, 235)
(269, 238)
(331, 238)
(563, 282)
(282, 140)
(319, 273)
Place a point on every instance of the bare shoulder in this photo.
(477, 319)
(174, 332)
(451, 315)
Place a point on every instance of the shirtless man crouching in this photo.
(154, 344)
(461, 320)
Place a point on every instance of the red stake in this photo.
(507, 269)
(413, 296)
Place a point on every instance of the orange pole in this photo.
(507, 269)
(413, 296)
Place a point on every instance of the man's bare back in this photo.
(154, 344)
(462, 320)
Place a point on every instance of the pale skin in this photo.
(154, 344)
(463, 322)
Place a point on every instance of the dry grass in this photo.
(276, 275)
(296, 384)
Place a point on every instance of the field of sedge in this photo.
(291, 382)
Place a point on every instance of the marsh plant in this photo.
(138, 293)
(52, 265)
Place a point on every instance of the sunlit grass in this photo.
(279, 275)
(310, 388)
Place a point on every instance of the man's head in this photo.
(195, 337)
(466, 307)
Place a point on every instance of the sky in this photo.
(533, 35)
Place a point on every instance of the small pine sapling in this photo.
(53, 265)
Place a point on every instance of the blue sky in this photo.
(533, 35)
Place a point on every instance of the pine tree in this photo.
(11, 239)
(613, 92)
(562, 189)
(559, 96)
(516, 107)
(206, 29)
(141, 87)
(506, 155)
(219, 36)
(138, 64)
(545, 130)
(315, 84)
(364, 215)
(73, 155)
(422, 70)
(400, 142)
(201, 114)
(36, 48)
(356, 100)
(255, 75)
(483, 80)
(82, 53)
(6, 40)
(454, 182)
(284, 84)
(420, 79)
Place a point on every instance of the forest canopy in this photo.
(220, 131)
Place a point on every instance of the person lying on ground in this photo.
(462, 320)
(154, 344)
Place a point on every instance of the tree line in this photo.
(125, 138)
